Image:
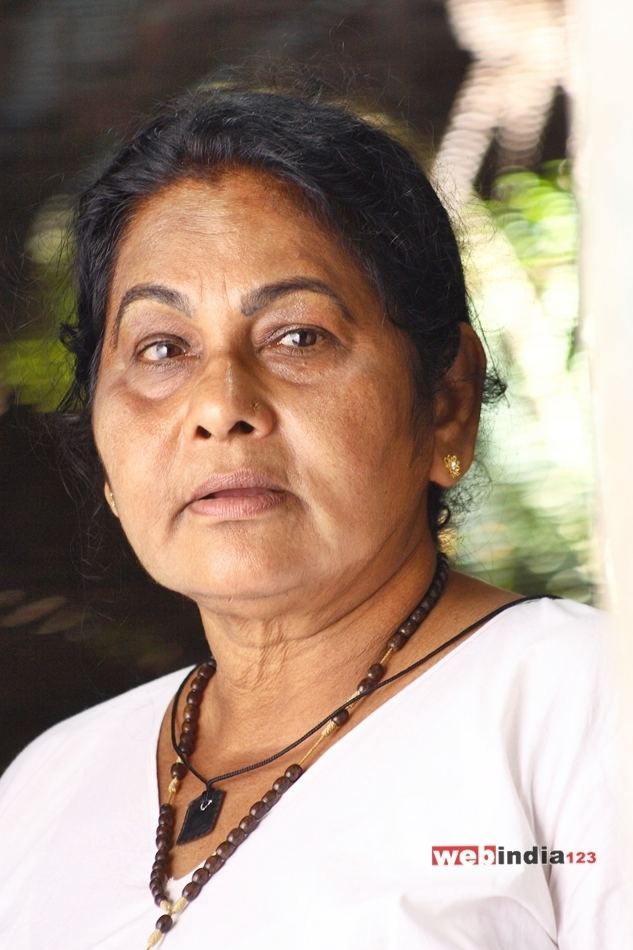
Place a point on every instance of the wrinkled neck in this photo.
(278, 675)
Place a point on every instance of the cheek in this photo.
(360, 448)
(133, 444)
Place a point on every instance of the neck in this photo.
(277, 675)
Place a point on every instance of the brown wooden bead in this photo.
(396, 641)
(198, 685)
(418, 615)
(248, 823)
(236, 836)
(270, 798)
(259, 809)
(163, 837)
(364, 687)
(206, 671)
(375, 672)
(165, 923)
(293, 772)
(214, 863)
(225, 850)
(282, 784)
(190, 891)
(191, 714)
(166, 810)
(201, 876)
(407, 628)
(185, 745)
(189, 729)
(178, 771)
(193, 699)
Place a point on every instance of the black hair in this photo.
(361, 182)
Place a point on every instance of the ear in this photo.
(456, 410)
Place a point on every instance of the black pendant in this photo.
(202, 815)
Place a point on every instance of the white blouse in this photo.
(394, 838)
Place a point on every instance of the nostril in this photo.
(242, 426)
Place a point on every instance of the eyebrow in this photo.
(165, 295)
(261, 297)
(252, 302)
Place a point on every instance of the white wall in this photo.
(602, 83)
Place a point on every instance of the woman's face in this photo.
(245, 350)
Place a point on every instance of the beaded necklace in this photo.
(196, 820)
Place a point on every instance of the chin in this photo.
(219, 579)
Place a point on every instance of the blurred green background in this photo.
(482, 88)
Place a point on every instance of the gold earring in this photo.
(453, 466)
(110, 498)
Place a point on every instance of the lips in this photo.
(236, 496)
(242, 483)
(236, 492)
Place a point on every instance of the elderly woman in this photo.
(275, 359)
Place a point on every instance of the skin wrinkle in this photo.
(296, 602)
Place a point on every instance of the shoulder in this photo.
(548, 672)
(124, 719)
(552, 653)
(548, 633)
(537, 674)
(517, 634)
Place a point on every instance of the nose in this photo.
(227, 403)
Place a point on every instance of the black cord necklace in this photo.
(171, 910)
(202, 813)
(224, 776)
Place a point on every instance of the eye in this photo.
(160, 351)
(300, 338)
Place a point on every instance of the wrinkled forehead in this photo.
(235, 227)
